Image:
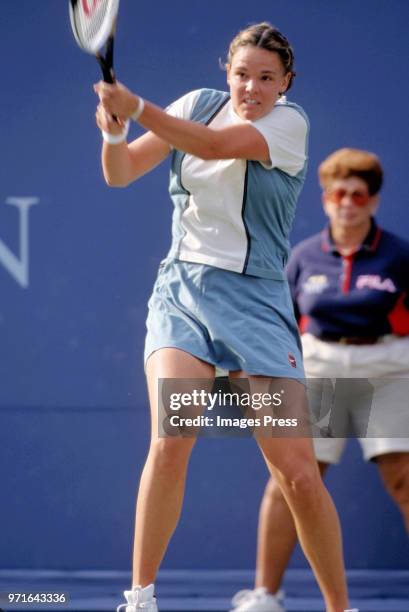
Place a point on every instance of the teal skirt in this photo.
(233, 321)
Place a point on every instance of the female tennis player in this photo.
(238, 165)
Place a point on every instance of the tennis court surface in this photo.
(201, 590)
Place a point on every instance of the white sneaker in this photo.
(139, 599)
(258, 600)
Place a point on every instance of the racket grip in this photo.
(107, 71)
(107, 74)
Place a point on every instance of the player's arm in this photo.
(123, 163)
(241, 141)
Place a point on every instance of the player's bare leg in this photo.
(162, 483)
(292, 462)
(277, 536)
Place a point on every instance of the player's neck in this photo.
(348, 240)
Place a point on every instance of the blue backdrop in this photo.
(73, 415)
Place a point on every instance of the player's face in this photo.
(347, 202)
(256, 79)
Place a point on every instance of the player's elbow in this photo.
(116, 181)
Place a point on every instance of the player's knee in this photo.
(272, 493)
(302, 481)
(170, 454)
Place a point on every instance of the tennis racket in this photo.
(93, 24)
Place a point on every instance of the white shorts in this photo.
(385, 365)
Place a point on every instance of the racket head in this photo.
(92, 22)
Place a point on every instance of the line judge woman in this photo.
(350, 287)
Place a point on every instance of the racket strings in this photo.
(91, 21)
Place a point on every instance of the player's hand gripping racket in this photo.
(93, 23)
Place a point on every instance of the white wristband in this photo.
(114, 139)
(141, 105)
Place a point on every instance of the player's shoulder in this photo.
(205, 92)
(198, 104)
(291, 111)
(207, 96)
(287, 120)
(207, 102)
(188, 98)
(193, 102)
(211, 91)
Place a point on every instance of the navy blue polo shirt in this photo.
(364, 294)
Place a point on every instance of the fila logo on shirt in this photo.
(374, 281)
(316, 283)
(18, 266)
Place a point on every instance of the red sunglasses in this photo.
(359, 198)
